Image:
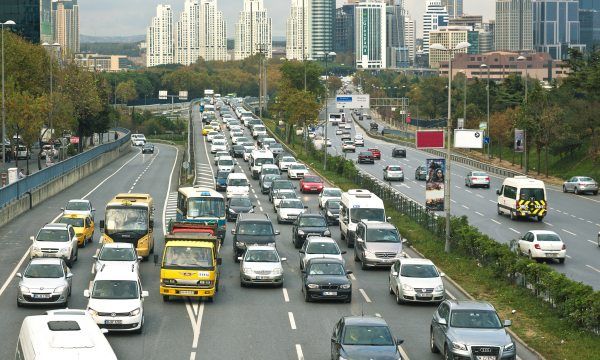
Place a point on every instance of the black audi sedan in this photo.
(326, 279)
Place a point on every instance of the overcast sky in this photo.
(131, 17)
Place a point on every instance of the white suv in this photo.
(116, 299)
(138, 139)
(55, 240)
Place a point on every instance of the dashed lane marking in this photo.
(465, 206)
(299, 352)
(286, 297)
(593, 268)
(365, 296)
(292, 321)
(478, 213)
(511, 229)
(593, 242)
(568, 232)
(497, 222)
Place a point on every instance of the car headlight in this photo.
(24, 289)
(439, 288)
(59, 289)
(92, 312)
(312, 286)
(369, 253)
(407, 287)
(277, 271)
(135, 312)
(247, 270)
(327, 233)
(35, 249)
(65, 250)
(300, 232)
(231, 211)
(345, 286)
(509, 347)
(240, 244)
(459, 346)
(329, 213)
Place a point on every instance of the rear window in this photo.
(548, 237)
(63, 325)
(314, 179)
(532, 194)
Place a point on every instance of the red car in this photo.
(311, 183)
(376, 153)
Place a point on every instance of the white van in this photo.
(521, 196)
(138, 139)
(237, 185)
(257, 159)
(359, 205)
(62, 334)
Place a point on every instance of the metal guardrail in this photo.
(19, 188)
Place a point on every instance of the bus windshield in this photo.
(126, 219)
(205, 207)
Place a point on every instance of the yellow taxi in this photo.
(206, 129)
(83, 225)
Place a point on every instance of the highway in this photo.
(574, 217)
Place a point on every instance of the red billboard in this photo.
(74, 139)
(430, 139)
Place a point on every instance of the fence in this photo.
(19, 188)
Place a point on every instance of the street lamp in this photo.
(464, 72)
(326, 57)
(52, 47)
(524, 59)
(8, 22)
(484, 66)
(440, 47)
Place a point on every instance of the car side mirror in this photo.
(19, 275)
(303, 271)
(507, 323)
(498, 192)
(62, 209)
(233, 231)
(93, 210)
(394, 273)
(348, 272)
(399, 341)
(442, 274)
(283, 259)
(360, 240)
(302, 251)
(240, 258)
(32, 238)
(389, 218)
(101, 224)
(442, 322)
(145, 293)
(277, 232)
(404, 240)
(344, 252)
(219, 261)
(69, 275)
(306, 206)
(86, 293)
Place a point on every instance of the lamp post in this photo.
(52, 47)
(484, 66)
(326, 56)
(524, 59)
(440, 47)
(8, 22)
(465, 97)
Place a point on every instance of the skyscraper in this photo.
(589, 21)
(187, 32)
(454, 7)
(322, 18)
(434, 17)
(298, 44)
(449, 36)
(343, 34)
(370, 25)
(410, 37)
(589, 4)
(556, 27)
(514, 29)
(159, 37)
(65, 21)
(213, 32)
(33, 18)
(253, 31)
(397, 53)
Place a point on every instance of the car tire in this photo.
(356, 258)
(349, 299)
(363, 266)
(19, 304)
(447, 355)
(391, 290)
(498, 209)
(432, 345)
(564, 189)
(540, 218)
(513, 216)
(575, 191)
(306, 296)
(530, 256)
(561, 260)
(399, 300)
(595, 192)
(165, 298)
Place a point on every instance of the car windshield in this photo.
(586, 179)
(297, 167)
(117, 254)
(53, 235)
(226, 162)
(268, 170)
(358, 214)
(394, 168)
(419, 271)
(288, 159)
(383, 235)
(367, 335)
(237, 182)
(312, 221)
(332, 193)
(275, 146)
(115, 289)
(475, 319)
(533, 193)
(206, 207)
(126, 218)
(262, 161)
(75, 222)
(270, 178)
(238, 147)
(548, 237)
(46, 271)
(286, 195)
(188, 257)
(77, 206)
(223, 174)
(292, 204)
(255, 228)
(479, 173)
(318, 247)
(333, 204)
(326, 269)
(312, 179)
(284, 184)
(366, 153)
(261, 256)
(240, 201)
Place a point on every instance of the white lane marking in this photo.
(469, 191)
(465, 206)
(478, 213)
(597, 224)
(558, 211)
(573, 216)
(261, 208)
(352, 277)
(196, 320)
(582, 219)
(286, 297)
(492, 201)
(258, 202)
(566, 213)
(589, 221)
(593, 242)
(193, 355)
(364, 294)
(168, 191)
(299, 352)
(479, 195)
(568, 232)
(593, 268)
(450, 295)
(567, 256)
(514, 230)
(497, 222)
(292, 321)
(378, 314)
(453, 201)
(551, 225)
(403, 353)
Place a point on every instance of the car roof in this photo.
(470, 305)
(261, 247)
(536, 232)
(74, 215)
(59, 226)
(379, 224)
(118, 245)
(416, 261)
(38, 260)
(117, 272)
(313, 215)
(325, 261)
(320, 239)
(79, 200)
(365, 320)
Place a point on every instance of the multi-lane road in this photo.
(574, 217)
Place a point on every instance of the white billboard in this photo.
(468, 139)
(353, 101)
(162, 94)
(183, 95)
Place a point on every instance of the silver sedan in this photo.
(477, 178)
(45, 281)
(580, 185)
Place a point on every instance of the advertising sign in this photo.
(353, 101)
(434, 188)
(183, 95)
(468, 139)
(162, 94)
(519, 140)
(430, 139)
(74, 139)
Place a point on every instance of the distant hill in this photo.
(112, 39)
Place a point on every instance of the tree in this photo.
(296, 107)
(126, 91)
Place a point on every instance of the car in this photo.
(237, 185)
(238, 205)
(339, 132)
(267, 169)
(326, 279)
(219, 154)
(247, 152)
(542, 244)
(116, 299)
(348, 146)
(252, 229)
(306, 225)
(364, 337)
(237, 151)
(399, 152)
(378, 244)
(206, 129)
(311, 183)
(276, 148)
(239, 140)
(320, 247)
(138, 139)
(218, 145)
(235, 134)
(376, 153)
(580, 185)
(421, 172)
(267, 181)
(393, 172)
(49, 150)
(79, 206)
(477, 178)
(221, 180)
(261, 265)
(285, 161)
(328, 142)
(55, 240)
(331, 210)
(416, 280)
(297, 171)
(22, 152)
(148, 148)
(365, 157)
(280, 185)
(45, 281)
(327, 194)
(470, 330)
(83, 225)
(347, 125)
(211, 135)
(282, 194)
(373, 126)
(359, 140)
(289, 209)
(117, 254)
(266, 143)
(225, 163)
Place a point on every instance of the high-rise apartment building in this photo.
(65, 23)
(589, 4)
(159, 37)
(556, 27)
(435, 16)
(514, 25)
(33, 18)
(213, 32)
(449, 36)
(322, 16)
(187, 33)
(343, 34)
(298, 44)
(370, 39)
(253, 31)
(454, 8)
(397, 52)
(589, 22)
(410, 37)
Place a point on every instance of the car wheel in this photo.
(529, 255)
(76, 256)
(306, 296)
(595, 192)
(499, 211)
(564, 189)
(432, 346)
(391, 289)
(575, 190)
(561, 260)
(447, 355)
(363, 266)
(399, 300)
(513, 216)
(356, 258)
(540, 218)
(349, 299)
(165, 298)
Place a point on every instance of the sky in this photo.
(131, 17)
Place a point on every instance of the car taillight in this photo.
(537, 246)
(473, 178)
(564, 247)
(487, 179)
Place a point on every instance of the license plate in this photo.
(113, 322)
(551, 254)
(47, 255)
(424, 295)
(262, 277)
(313, 188)
(329, 293)
(41, 296)
(186, 292)
(486, 358)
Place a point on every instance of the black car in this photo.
(374, 126)
(280, 184)
(399, 152)
(237, 151)
(221, 180)
(363, 337)
(326, 279)
(308, 224)
(331, 211)
(148, 149)
(238, 205)
(252, 229)
(421, 173)
(267, 181)
(365, 157)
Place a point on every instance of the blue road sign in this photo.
(486, 140)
